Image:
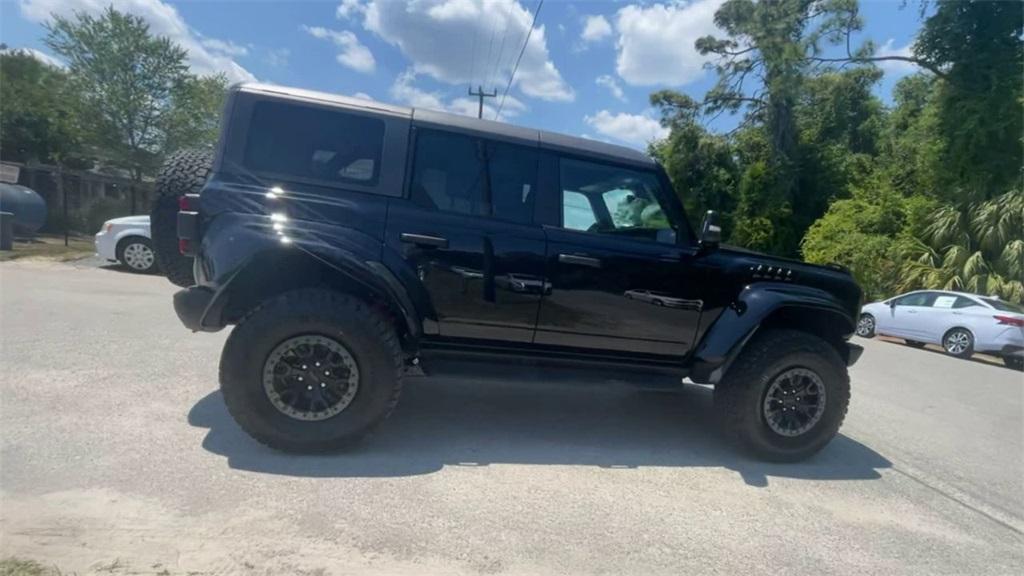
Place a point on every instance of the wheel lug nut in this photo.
(304, 366)
(317, 363)
(322, 385)
(327, 372)
(300, 378)
(309, 387)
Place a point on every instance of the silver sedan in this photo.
(961, 323)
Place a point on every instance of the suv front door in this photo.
(468, 238)
(619, 280)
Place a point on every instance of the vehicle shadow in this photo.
(977, 358)
(458, 421)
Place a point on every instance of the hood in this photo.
(769, 259)
(131, 220)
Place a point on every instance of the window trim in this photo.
(410, 172)
(683, 236)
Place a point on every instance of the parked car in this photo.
(961, 323)
(352, 244)
(127, 240)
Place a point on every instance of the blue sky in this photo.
(587, 69)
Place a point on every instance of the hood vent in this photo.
(776, 273)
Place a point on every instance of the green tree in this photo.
(868, 233)
(127, 80)
(976, 248)
(978, 47)
(700, 164)
(40, 117)
(193, 120)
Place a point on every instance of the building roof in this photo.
(505, 131)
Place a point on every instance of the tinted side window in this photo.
(606, 199)
(919, 299)
(962, 302)
(468, 175)
(312, 143)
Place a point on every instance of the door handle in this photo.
(424, 240)
(580, 260)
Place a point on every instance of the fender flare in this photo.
(344, 266)
(755, 304)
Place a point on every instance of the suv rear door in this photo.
(611, 237)
(467, 235)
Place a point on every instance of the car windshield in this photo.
(1003, 306)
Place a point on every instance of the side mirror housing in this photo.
(710, 230)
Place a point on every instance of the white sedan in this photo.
(961, 323)
(127, 240)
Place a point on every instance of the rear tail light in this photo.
(1010, 321)
(188, 203)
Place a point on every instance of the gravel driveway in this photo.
(117, 456)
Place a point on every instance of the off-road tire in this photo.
(740, 394)
(367, 335)
(184, 172)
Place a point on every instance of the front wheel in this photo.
(785, 396)
(311, 371)
(958, 342)
(866, 326)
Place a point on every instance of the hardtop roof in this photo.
(421, 116)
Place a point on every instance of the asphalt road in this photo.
(117, 456)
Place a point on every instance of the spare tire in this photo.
(183, 172)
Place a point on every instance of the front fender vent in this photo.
(775, 273)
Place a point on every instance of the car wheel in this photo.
(1014, 362)
(657, 303)
(866, 326)
(914, 343)
(959, 342)
(136, 254)
(183, 173)
(785, 396)
(311, 371)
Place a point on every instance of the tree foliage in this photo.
(141, 99)
(40, 120)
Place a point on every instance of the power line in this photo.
(512, 76)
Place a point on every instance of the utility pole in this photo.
(481, 95)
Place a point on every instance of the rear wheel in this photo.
(866, 326)
(184, 172)
(959, 342)
(785, 396)
(311, 371)
(136, 254)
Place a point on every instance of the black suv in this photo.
(353, 243)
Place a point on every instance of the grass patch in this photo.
(50, 248)
(19, 567)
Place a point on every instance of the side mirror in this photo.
(710, 230)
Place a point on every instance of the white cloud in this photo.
(466, 42)
(595, 28)
(349, 8)
(897, 67)
(38, 55)
(612, 85)
(278, 58)
(163, 20)
(362, 96)
(637, 130)
(224, 47)
(353, 53)
(404, 91)
(656, 42)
